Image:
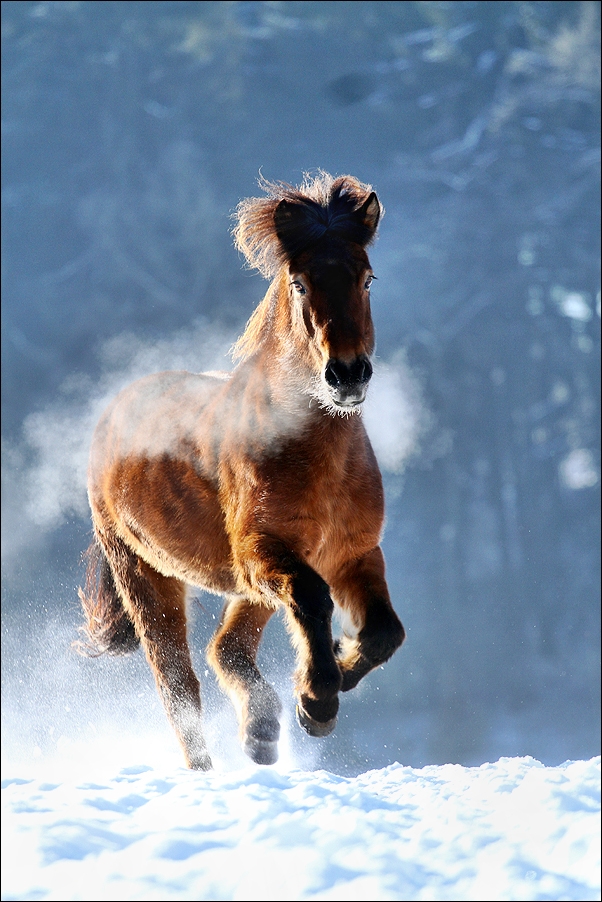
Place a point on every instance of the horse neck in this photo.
(271, 346)
(277, 373)
(276, 387)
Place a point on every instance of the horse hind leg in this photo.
(156, 605)
(232, 653)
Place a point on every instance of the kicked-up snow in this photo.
(510, 830)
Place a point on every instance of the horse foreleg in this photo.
(232, 653)
(318, 678)
(273, 573)
(361, 591)
(157, 606)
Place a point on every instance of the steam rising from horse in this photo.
(259, 485)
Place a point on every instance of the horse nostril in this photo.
(362, 370)
(337, 373)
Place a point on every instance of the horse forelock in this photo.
(271, 233)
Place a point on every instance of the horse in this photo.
(259, 485)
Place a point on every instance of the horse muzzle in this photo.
(348, 382)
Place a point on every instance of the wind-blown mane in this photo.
(323, 206)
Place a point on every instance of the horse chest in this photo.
(320, 511)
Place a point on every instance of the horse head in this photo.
(315, 237)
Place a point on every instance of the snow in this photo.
(514, 829)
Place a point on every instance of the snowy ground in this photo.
(513, 829)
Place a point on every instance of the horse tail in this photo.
(108, 628)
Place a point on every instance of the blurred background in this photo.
(130, 131)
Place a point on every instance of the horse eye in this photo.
(369, 282)
(298, 287)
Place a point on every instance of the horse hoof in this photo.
(260, 750)
(314, 727)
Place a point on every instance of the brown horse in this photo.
(260, 485)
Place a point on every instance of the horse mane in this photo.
(257, 326)
(270, 231)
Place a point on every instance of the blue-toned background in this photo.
(130, 132)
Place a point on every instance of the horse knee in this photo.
(230, 659)
(381, 636)
(223, 659)
(311, 597)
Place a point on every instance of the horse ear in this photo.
(290, 224)
(285, 214)
(370, 213)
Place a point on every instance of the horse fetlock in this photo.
(260, 725)
(320, 683)
(352, 676)
(373, 646)
(261, 718)
(263, 728)
(260, 739)
(186, 721)
(318, 700)
(377, 645)
(351, 661)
